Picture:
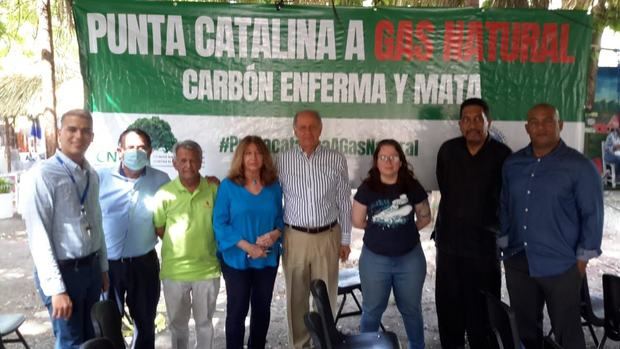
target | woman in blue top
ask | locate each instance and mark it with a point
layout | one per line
(391, 206)
(248, 224)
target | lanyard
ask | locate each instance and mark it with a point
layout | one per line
(82, 198)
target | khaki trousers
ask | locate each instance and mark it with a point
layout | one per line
(307, 257)
(198, 298)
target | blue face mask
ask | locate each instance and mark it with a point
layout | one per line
(135, 159)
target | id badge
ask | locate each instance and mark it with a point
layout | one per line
(84, 224)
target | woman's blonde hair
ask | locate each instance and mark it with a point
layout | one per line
(268, 172)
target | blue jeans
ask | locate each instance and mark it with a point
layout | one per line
(405, 274)
(245, 287)
(83, 285)
(614, 160)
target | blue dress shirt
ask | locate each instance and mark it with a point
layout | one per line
(551, 208)
(239, 214)
(127, 206)
(52, 214)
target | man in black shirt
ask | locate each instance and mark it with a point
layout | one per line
(469, 172)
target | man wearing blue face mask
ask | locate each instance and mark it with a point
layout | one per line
(126, 197)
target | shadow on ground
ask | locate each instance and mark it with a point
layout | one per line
(17, 292)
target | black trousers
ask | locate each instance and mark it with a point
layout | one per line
(135, 281)
(461, 307)
(245, 287)
(529, 294)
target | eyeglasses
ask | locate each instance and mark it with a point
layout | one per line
(391, 158)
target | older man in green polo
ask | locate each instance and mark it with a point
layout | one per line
(190, 271)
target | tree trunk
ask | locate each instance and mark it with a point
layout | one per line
(45, 42)
(7, 145)
(598, 15)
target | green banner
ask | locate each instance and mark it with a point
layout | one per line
(195, 58)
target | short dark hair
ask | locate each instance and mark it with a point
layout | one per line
(475, 101)
(81, 113)
(145, 136)
(556, 112)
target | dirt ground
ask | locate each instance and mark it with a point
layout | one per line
(17, 292)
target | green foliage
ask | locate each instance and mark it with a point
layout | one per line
(160, 323)
(612, 17)
(6, 185)
(17, 22)
(127, 324)
(159, 130)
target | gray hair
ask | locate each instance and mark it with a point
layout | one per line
(189, 145)
(307, 111)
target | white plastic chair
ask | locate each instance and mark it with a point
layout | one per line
(10, 323)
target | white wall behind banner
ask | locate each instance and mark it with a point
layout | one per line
(356, 138)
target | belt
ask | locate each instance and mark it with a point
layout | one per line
(78, 262)
(314, 230)
(149, 255)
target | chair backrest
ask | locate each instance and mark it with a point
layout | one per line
(315, 327)
(107, 323)
(587, 313)
(323, 307)
(97, 343)
(503, 322)
(611, 304)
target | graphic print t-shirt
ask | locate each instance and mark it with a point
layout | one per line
(391, 229)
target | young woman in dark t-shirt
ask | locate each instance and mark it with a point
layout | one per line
(391, 206)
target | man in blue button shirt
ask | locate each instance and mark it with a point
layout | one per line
(126, 195)
(63, 220)
(551, 225)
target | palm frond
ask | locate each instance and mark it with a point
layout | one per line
(20, 95)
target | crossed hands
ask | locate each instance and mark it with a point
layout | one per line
(260, 249)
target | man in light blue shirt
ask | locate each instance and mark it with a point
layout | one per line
(126, 196)
(63, 221)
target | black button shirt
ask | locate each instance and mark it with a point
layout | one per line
(470, 185)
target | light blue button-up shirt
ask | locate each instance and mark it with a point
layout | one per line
(52, 214)
(127, 206)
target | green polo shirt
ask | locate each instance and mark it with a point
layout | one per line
(188, 247)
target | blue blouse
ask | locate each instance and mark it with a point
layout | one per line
(241, 215)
